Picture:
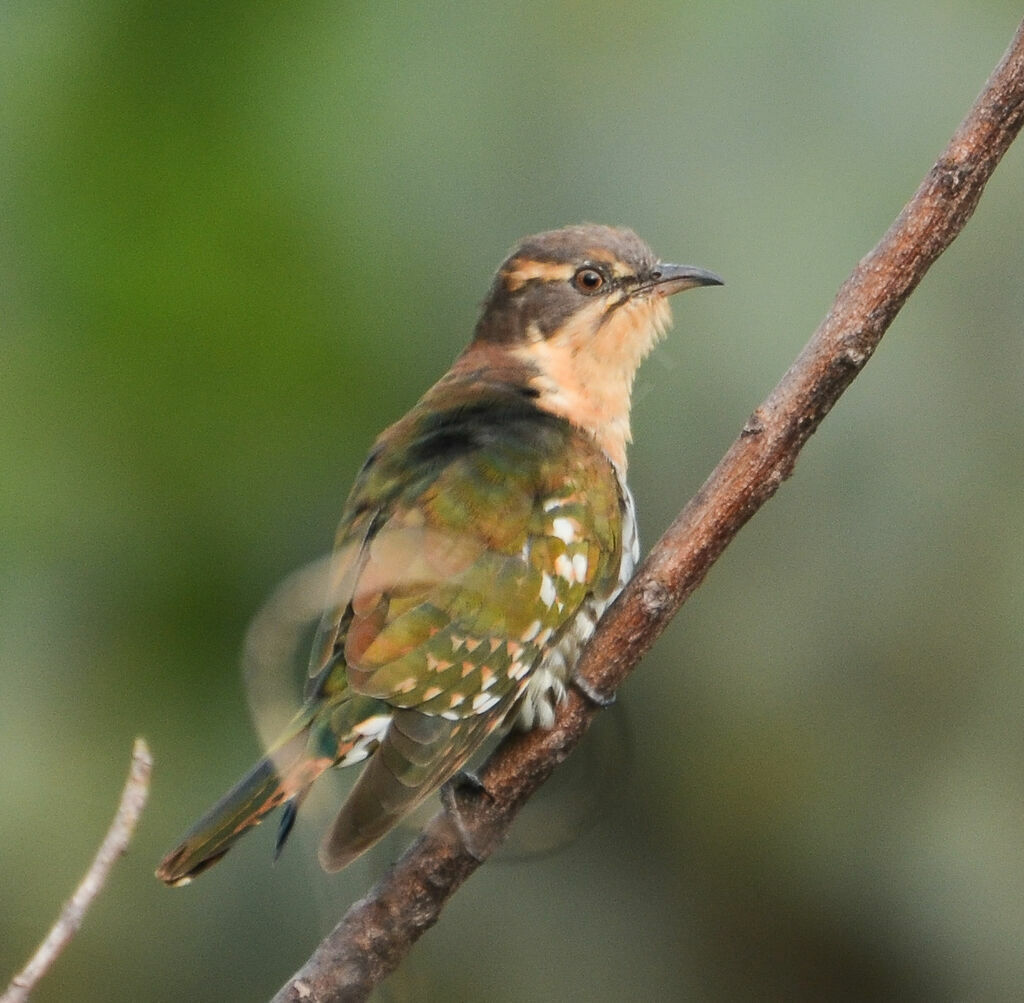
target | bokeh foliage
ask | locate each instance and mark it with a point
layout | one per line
(239, 239)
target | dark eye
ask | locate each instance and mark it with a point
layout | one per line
(588, 280)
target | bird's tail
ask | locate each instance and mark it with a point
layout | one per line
(417, 754)
(283, 774)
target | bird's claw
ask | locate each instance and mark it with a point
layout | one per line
(597, 698)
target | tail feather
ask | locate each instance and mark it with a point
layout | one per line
(317, 739)
(418, 754)
(376, 804)
(211, 837)
(278, 777)
(287, 823)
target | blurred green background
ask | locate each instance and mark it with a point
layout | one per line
(237, 240)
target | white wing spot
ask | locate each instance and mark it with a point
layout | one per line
(564, 569)
(485, 701)
(372, 727)
(579, 566)
(357, 755)
(547, 589)
(564, 529)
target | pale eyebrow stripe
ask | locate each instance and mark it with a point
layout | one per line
(522, 271)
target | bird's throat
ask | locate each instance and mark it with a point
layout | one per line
(585, 371)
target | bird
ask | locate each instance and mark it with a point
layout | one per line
(484, 537)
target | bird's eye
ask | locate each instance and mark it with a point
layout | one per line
(588, 280)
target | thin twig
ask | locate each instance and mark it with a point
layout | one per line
(378, 931)
(133, 800)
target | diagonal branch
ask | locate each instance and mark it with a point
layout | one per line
(115, 843)
(378, 931)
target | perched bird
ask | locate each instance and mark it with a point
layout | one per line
(485, 535)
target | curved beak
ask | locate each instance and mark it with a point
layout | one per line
(669, 279)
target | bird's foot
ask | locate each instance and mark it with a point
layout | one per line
(595, 696)
(453, 794)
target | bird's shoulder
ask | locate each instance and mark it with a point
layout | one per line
(482, 458)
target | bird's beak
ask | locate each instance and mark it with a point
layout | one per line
(669, 279)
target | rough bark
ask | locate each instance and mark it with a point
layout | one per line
(378, 931)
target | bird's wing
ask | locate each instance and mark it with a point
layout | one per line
(464, 561)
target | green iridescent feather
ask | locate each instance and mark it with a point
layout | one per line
(446, 595)
(481, 486)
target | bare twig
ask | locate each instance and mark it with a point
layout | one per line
(378, 931)
(133, 800)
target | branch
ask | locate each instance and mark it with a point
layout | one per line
(133, 800)
(379, 930)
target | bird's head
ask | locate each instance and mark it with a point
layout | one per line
(578, 309)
